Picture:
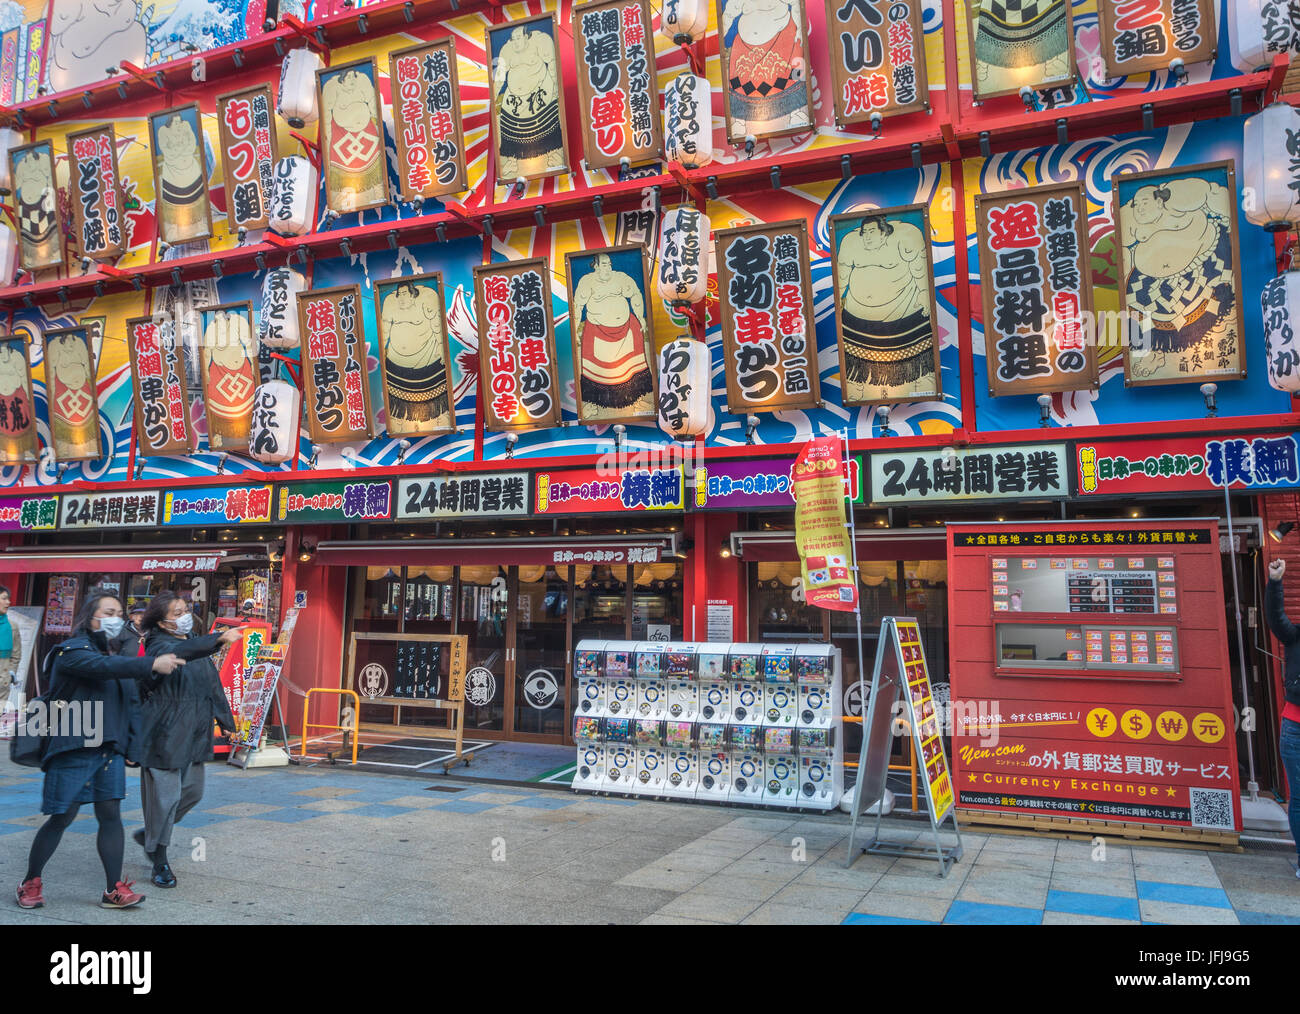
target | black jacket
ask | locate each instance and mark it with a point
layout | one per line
(178, 710)
(1286, 632)
(128, 641)
(84, 671)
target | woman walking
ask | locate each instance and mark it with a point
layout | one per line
(102, 687)
(11, 648)
(176, 733)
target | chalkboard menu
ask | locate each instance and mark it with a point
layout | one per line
(418, 670)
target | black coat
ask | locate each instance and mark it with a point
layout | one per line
(84, 671)
(1285, 631)
(179, 709)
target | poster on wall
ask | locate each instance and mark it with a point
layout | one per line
(764, 57)
(19, 443)
(36, 199)
(516, 345)
(247, 155)
(877, 58)
(1014, 44)
(528, 131)
(1037, 290)
(162, 423)
(414, 355)
(615, 52)
(884, 306)
(1138, 36)
(821, 536)
(336, 384)
(98, 207)
(61, 603)
(426, 120)
(70, 395)
(613, 334)
(767, 321)
(228, 358)
(352, 137)
(180, 171)
(1180, 274)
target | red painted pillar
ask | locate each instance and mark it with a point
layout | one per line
(712, 579)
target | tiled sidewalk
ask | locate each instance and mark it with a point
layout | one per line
(294, 845)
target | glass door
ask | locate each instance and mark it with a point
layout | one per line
(542, 649)
(483, 617)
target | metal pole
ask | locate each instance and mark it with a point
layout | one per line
(1252, 785)
(857, 610)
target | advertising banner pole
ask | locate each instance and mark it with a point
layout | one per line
(1252, 785)
(857, 582)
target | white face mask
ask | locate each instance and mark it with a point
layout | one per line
(185, 624)
(111, 626)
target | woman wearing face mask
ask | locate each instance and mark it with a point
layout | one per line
(176, 735)
(11, 647)
(89, 767)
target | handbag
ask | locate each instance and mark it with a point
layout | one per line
(27, 748)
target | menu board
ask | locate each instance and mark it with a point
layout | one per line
(259, 694)
(929, 745)
(1045, 647)
(1091, 584)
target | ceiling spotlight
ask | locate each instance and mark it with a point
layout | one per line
(1208, 392)
(1044, 410)
(1281, 531)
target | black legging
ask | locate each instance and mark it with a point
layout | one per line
(110, 841)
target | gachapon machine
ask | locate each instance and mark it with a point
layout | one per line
(815, 670)
(589, 672)
(620, 678)
(620, 756)
(746, 742)
(746, 664)
(683, 690)
(589, 735)
(780, 694)
(651, 687)
(682, 760)
(715, 762)
(821, 779)
(648, 739)
(714, 681)
(780, 766)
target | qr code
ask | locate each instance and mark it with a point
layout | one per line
(1212, 808)
(846, 594)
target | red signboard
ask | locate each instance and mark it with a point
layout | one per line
(1181, 464)
(588, 490)
(235, 661)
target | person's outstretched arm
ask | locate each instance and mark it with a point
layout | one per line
(1274, 610)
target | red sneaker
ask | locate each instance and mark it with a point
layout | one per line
(29, 894)
(121, 897)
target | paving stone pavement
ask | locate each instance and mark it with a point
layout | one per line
(315, 845)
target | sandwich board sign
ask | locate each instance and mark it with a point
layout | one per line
(900, 668)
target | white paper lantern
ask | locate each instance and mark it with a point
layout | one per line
(8, 254)
(688, 121)
(277, 410)
(1280, 302)
(684, 388)
(9, 139)
(1271, 173)
(277, 319)
(684, 20)
(293, 196)
(683, 275)
(1260, 29)
(297, 99)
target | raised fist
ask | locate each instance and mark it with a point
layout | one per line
(1276, 569)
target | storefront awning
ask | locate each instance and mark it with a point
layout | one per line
(88, 561)
(616, 551)
(882, 544)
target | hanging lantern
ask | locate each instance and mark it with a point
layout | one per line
(1270, 172)
(9, 138)
(663, 571)
(643, 577)
(684, 21)
(277, 410)
(789, 573)
(297, 100)
(1260, 29)
(277, 318)
(442, 575)
(293, 196)
(582, 573)
(688, 121)
(1281, 304)
(683, 269)
(767, 571)
(478, 575)
(684, 388)
(8, 254)
(531, 575)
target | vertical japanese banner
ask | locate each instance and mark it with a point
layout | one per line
(8, 66)
(98, 208)
(414, 355)
(247, 155)
(877, 50)
(766, 84)
(1016, 44)
(426, 120)
(71, 395)
(19, 443)
(335, 381)
(180, 168)
(1145, 35)
(235, 662)
(528, 129)
(821, 531)
(1039, 327)
(767, 321)
(162, 423)
(228, 362)
(352, 137)
(615, 53)
(516, 342)
(40, 226)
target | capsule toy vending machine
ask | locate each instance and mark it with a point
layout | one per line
(714, 681)
(683, 689)
(715, 762)
(620, 679)
(821, 768)
(746, 664)
(747, 772)
(620, 756)
(683, 760)
(780, 766)
(651, 687)
(651, 774)
(589, 735)
(780, 692)
(817, 672)
(589, 671)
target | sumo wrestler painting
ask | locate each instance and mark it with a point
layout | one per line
(71, 396)
(352, 138)
(764, 54)
(527, 121)
(884, 306)
(1180, 275)
(1020, 43)
(18, 441)
(414, 355)
(228, 356)
(613, 344)
(180, 173)
(40, 228)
